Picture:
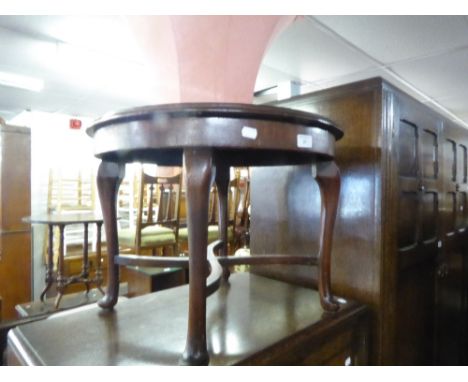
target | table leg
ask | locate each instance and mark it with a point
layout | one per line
(50, 263)
(222, 183)
(60, 267)
(109, 177)
(198, 164)
(328, 179)
(85, 268)
(98, 258)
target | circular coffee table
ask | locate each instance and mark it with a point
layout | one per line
(207, 139)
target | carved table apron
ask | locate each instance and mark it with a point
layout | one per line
(208, 138)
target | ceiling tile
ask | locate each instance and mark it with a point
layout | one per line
(464, 117)
(108, 34)
(457, 105)
(440, 77)
(391, 39)
(306, 51)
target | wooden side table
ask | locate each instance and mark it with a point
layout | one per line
(62, 281)
(208, 138)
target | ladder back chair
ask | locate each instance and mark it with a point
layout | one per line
(241, 222)
(157, 225)
(234, 200)
(71, 193)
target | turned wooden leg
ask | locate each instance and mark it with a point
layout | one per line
(109, 177)
(61, 282)
(198, 164)
(50, 263)
(328, 179)
(222, 184)
(85, 265)
(99, 258)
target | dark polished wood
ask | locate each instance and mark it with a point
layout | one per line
(208, 139)
(400, 242)
(144, 280)
(5, 327)
(241, 330)
(172, 128)
(15, 202)
(328, 179)
(61, 280)
(222, 185)
(198, 165)
(69, 301)
(109, 177)
(451, 269)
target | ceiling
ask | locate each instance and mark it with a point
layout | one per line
(90, 65)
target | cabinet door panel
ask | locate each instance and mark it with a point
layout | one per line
(15, 272)
(408, 216)
(450, 163)
(407, 149)
(430, 207)
(461, 217)
(451, 212)
(462, 163)
(415, 306)
(449, 306)
(429, 154)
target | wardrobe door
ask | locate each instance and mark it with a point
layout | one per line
(417, 146)
(407, 144)
(462, 226)
(418, 190)
(449, 329)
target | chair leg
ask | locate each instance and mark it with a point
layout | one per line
(198, 164)
(50, 263)
(109, 177)
(328, 179)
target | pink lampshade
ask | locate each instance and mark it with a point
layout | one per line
(205, 58)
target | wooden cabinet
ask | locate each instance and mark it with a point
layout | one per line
(15, 203)
(151, 330)
(401, 225)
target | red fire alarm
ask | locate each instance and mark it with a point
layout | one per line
(75, 124)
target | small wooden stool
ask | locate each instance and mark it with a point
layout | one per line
(208, 138)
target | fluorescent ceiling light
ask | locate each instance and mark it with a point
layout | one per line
(22, 82)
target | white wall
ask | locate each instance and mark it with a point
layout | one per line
(53, 145)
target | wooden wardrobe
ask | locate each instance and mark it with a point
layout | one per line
(402, 224)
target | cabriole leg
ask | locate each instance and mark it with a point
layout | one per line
(109, 177)
(328, 179)
(198, 164)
